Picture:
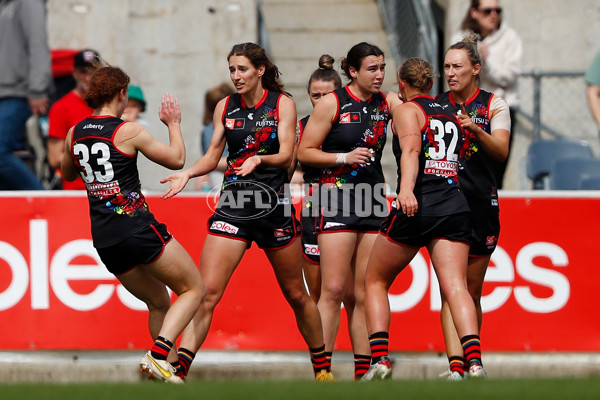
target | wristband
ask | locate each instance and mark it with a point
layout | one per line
(340, 158)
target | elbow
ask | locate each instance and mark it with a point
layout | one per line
(68, 173)
(53, 163)
(502, 157)
(303, 155)
(300, 155)
(498, 154)
(69, 177)
(412, 151)
(178, 161)
(54, 159)
(286, 160)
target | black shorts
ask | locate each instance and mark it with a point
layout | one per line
(269, 232)
(348, 223)
(143, 247)
(418, 231)
(485, 231)
(309, 239)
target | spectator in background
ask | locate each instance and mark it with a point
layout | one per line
(135, 106)
(25, 81)
(501, 51)
(211, 98)
(69, 110)
(592, 79)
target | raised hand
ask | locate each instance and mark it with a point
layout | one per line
(169, 111)
(465, 120)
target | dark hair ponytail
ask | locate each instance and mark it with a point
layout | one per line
(356, 54)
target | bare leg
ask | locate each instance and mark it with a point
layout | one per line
(312, 275)
(287, 265)
(475, 277)
(450, 263)
(358, 322)
(220, 257)
(176, 269)
(337, 251)
(477, 266)
(387, 260)
(139, 282)
(349, 302)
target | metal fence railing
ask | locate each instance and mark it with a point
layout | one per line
(410, 30)
(554, 102)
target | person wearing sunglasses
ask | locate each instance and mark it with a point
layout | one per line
(501, 51)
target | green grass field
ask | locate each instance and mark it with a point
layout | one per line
(505, 389)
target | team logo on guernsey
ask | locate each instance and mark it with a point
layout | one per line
(350, 118)
(235, 123)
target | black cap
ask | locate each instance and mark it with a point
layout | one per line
(86, 58)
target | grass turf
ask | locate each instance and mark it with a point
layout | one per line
(512, 389)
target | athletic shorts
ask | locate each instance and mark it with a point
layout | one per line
(269, 232)
(350, 223)
(143, 247)
(485, 231)
(309, 239)
(419, 231)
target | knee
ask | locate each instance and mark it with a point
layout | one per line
(475, 291)
(373, 280)
(210, 298)
(333, 292)
(159, 303)
(198, 292)
(296, 299)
